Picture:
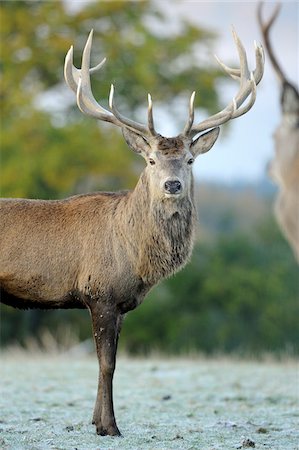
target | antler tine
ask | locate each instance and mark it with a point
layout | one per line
(245, 76)
(190, 120)
(248, 81)
(234, 73)
(85, 99)
(72, 74)
(259, 63)
(150, 119)
(137, 127)
(244, 71)
(265, 27)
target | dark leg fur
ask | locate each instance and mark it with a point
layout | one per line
(106, 323)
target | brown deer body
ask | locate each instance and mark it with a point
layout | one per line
(284, 167)
(104, 251)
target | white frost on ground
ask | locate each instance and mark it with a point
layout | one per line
(47, 403)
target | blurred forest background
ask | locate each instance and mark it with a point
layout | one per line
(239, 294)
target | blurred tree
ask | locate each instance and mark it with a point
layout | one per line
(45, 153)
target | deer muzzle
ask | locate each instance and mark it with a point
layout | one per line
(173, 187)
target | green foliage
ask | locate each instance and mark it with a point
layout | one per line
(45, 154)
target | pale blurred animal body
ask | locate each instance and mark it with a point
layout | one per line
(104, 251)
(284, 167)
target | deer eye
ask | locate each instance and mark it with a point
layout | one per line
(190, 161)
(152, 162)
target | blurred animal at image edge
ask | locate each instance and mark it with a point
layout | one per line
(284, 167)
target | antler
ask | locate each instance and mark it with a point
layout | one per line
(248, 82)
(265, 27)
(79, 81)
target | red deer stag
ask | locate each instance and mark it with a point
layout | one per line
(104, 251)
(284, 168)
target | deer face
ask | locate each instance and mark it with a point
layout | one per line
(169, 160)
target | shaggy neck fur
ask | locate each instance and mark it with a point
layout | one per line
(161, 234)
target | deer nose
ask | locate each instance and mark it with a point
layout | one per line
(172, 186)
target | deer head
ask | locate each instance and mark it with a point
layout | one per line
(169, 160)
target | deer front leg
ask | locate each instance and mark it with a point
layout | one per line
(106, 327)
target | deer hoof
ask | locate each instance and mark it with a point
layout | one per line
(109, 431)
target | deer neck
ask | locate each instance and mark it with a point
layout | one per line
(160, 232)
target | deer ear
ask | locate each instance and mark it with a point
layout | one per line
(135, 141)
(204, 142)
